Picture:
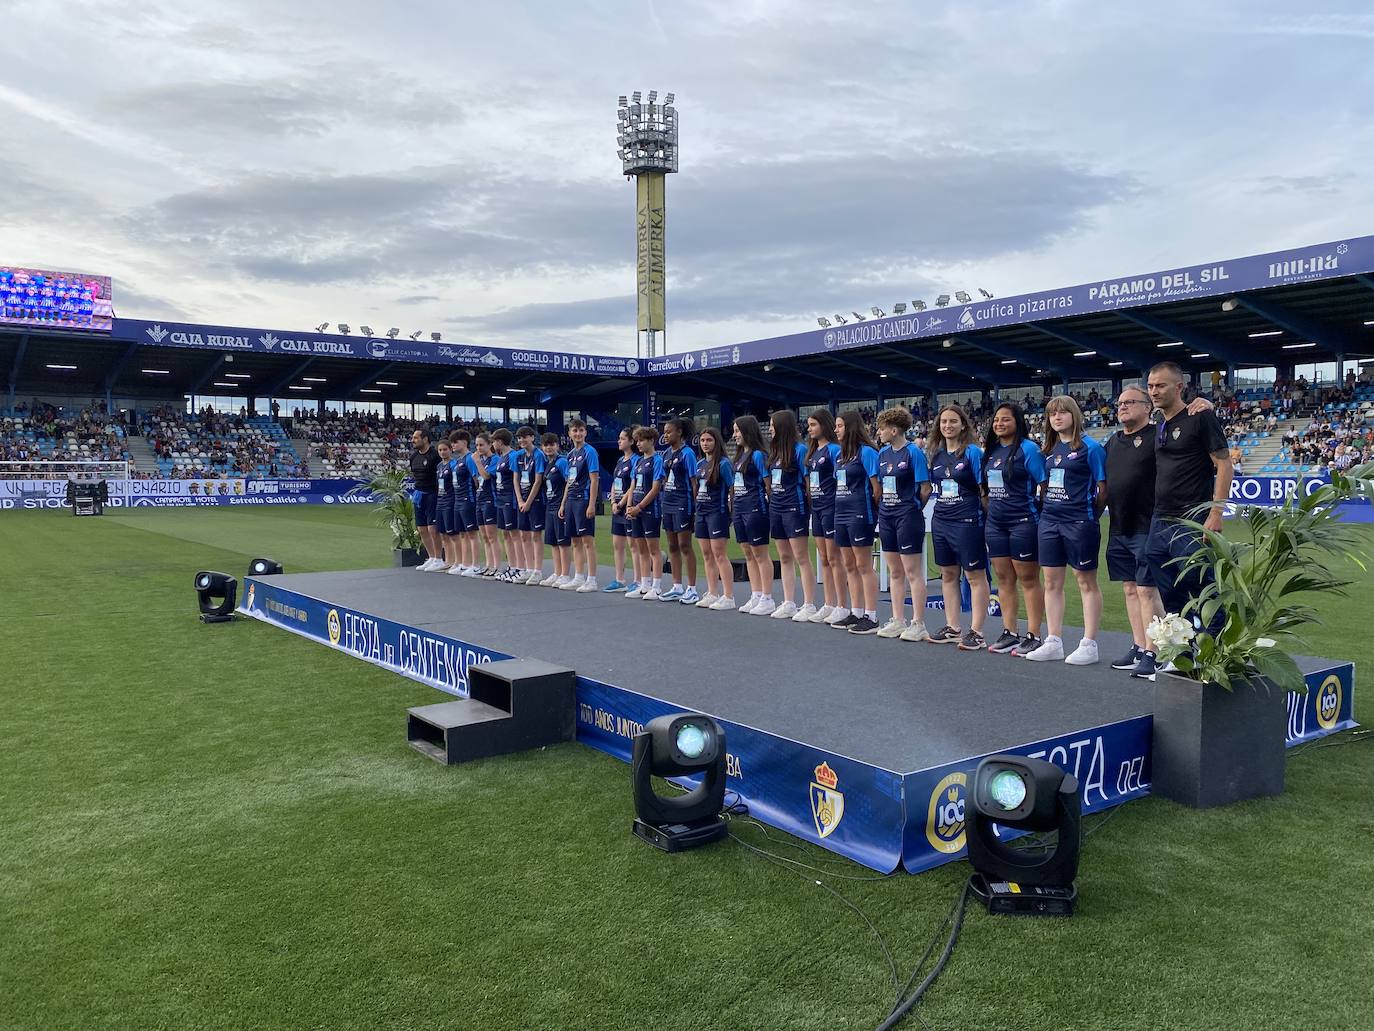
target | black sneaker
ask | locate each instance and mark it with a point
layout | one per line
(1129, 660)
(1145, 669)
(847, 622)
(1005, 643)
(864, 625)
(945, 635)
(1028, 644)
(972, 641)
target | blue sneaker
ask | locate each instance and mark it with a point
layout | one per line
(690, 596)
(673, 593)
(614, 587)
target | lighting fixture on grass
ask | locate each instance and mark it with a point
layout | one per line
(217, 594)
(679, 746)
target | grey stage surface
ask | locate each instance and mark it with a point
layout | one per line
(890, 703)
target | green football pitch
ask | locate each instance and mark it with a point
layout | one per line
(222, 827)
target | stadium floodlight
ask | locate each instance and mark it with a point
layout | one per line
(899, 307)
(216, 594)
(918, 305)
(858, 317)
(392, 333)
(436, 337)
(962, 297)
(636, 96)
(1013, 792)
(1230, 304)
(321, 327)
(986, 296)
(825, 323)
(942, 300)
(878, 313)
(343, 328)
(679, 745)
(623, 100)
(416, 334)
(365, 330)
(670, 98)
(653, 96)
(840, 319)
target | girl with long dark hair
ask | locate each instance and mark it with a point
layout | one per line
(1013, 470)
(787, 512)
(856, 497)
(956, 526)
(749, 514)
(715, 474)
(821, 455)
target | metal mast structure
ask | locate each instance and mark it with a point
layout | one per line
(647, 145)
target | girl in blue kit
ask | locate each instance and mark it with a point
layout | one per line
(443, 515)
(856, 494)
(642, 512)
(749, 514)
(556, 530)
(787, 513)
(1075, 493)
(487, 461)
(904, 482)
(715, 474)
(956, 526)
(821, 454)
(620, 497)
(465, 477)
(1013, 470)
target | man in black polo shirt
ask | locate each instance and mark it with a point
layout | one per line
(424, 466)
(1192, 468)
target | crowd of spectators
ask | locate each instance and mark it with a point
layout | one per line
(42, 432)
(217, 444)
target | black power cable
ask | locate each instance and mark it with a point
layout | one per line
(905, 1006)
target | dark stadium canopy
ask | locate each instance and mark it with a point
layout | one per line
(1311, 304)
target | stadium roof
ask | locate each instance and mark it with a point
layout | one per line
(1308, 304)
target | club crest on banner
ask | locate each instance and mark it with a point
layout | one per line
(827, 804)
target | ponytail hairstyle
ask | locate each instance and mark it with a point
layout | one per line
(827, 421)
(782, 449)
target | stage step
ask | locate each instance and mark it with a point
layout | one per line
(512, 706)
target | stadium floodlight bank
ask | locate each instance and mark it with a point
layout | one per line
(72, 471)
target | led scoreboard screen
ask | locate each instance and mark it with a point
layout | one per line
(55, 300)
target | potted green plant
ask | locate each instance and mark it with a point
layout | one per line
(396, 512)
(1220, 718)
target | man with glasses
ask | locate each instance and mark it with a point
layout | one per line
(1192, 467)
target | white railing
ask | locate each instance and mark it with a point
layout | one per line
(76, 471)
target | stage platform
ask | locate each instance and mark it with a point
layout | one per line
(861, 744)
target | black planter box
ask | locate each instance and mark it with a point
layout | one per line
(403, 557)
(1213, 747)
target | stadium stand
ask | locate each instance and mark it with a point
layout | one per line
(44, 433)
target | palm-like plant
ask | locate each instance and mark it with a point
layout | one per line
(1269, 560)
(394, 508)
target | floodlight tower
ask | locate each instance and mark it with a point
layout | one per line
(647, 143)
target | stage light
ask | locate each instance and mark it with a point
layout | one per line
(858, 317)
(942, 300)
(962, 296)
(679, 746)
(825, 323)
(264, 567)
(416, 334)
(343, 328)
(321, 327)
(986, 296)
(878, 313)
(1018, 793)
(1230, 304)
(436, 337)
(365, 330)
(841, 320)
(392, 333)
(217, 594)
(918, 305)
(899, 307)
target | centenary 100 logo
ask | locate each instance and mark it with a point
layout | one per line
(1328, 702)
(333, 624)
(945, 820)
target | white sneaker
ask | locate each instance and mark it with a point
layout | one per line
(916, 632)
(707, 601)
(748, 606)
(651, 594)
(535, 578)
(765, 607)
(823, 614)
(473, 571)
(428, 565)
(457, 570)
(590, 587)
(786, 610)
(569, 583)
(549, 581)
(439, 566)
(635, 591)
(836, 615)
(1051, 651)
(1084, 655)
(892, 628)
(725, 604)
(805, 614)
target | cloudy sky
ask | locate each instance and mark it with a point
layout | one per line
(452, 167)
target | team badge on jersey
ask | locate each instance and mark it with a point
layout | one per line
(1139, 441)
(827, 804)
(1177, 432)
